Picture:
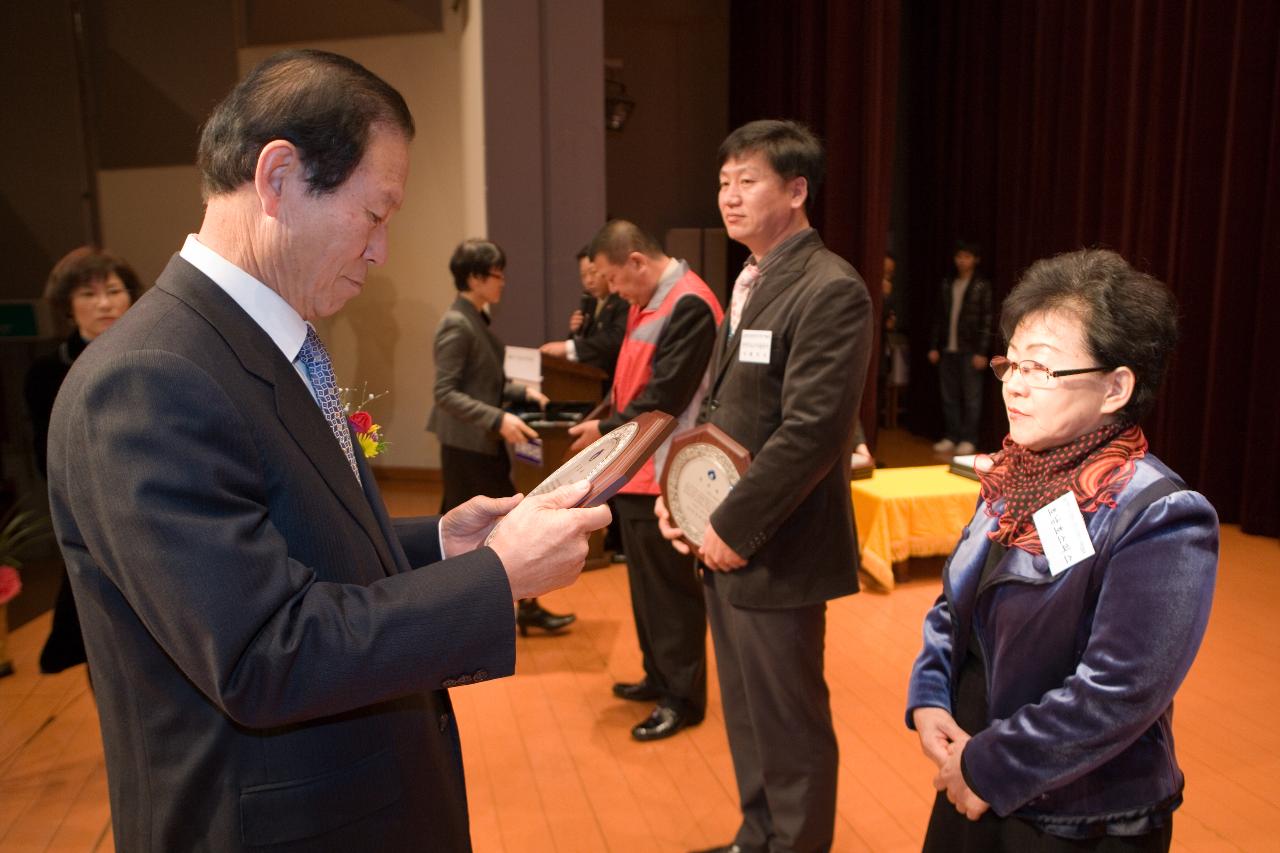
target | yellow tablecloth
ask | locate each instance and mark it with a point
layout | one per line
(909, 512)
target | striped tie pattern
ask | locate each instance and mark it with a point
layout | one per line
(315, 358)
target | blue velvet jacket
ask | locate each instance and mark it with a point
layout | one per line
(1081, 668)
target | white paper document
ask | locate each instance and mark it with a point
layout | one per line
(523, 365)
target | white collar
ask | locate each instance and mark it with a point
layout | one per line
(267, 308)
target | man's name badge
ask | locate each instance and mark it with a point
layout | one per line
(755, 345)
(1062, 533)
(702, 468)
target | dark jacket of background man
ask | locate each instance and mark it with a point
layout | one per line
(598, 341)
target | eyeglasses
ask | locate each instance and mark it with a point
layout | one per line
(87, 294)
(1035, 374)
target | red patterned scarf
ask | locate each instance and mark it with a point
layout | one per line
(1095, 467)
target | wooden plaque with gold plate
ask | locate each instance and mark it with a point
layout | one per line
(703, 466)
(611, 460)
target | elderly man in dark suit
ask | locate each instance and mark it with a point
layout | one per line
(786, 379)
(270, 650)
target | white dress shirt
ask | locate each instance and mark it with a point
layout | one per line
(264, 306)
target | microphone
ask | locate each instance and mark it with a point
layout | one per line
(588, 308)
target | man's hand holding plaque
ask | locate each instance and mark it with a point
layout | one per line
(584, 433)
(542, 541)
(703, 466)
(609, 461)
(613, 458)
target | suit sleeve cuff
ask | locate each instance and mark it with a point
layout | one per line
(968, 780)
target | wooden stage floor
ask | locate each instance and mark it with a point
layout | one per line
(551, 766)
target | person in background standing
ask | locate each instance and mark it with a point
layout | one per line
(597, 327)
(959, 345)
(470, 389)
(596, 330)
(93, 288)
(671, 329)
(786, 379)
(1044, 689)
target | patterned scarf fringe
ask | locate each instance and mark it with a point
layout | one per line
(1095, 467)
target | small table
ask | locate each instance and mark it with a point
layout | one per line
(909, 512)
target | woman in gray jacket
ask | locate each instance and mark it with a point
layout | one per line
(470, 390)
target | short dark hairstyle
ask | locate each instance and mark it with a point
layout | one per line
(1129, 318)
(619, 238)
(82, 266)
(325, 104)
(584, 252)
(475, 257)
(969, 246)
(791, 148)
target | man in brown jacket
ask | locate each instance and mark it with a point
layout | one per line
(786, 378)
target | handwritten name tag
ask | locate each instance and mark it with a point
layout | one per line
(1062, 533)
(755, 346)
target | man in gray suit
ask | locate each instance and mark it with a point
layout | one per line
(270, 650)
(786, 379)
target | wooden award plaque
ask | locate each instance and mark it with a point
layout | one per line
(609, 461)
(613, 458)
(702, 468)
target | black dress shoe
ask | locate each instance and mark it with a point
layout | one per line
(663, 723)
(531, 614)
(636, 691)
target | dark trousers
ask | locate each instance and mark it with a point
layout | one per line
(65, 646)
(666, 600)
(467, 473)
(951, 832)
(961, 387)
(777, 710)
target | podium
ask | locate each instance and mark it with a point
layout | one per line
(563, 381)
(567, 381)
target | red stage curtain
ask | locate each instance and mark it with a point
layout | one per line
(1150, 127)
(833, 66)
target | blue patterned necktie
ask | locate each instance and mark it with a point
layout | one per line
(315, 358)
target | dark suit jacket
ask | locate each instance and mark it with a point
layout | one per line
(269, 667)
(44, 378)
(973, 326)
(791, 514)
(598, 341)
(470, 383)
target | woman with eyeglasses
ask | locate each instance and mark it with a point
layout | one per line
(1077, 597)
(90, 288)
(470, 390)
